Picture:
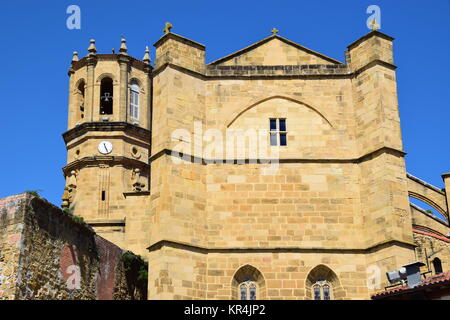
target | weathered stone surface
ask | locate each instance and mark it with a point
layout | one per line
(46, 254)
(335, 207)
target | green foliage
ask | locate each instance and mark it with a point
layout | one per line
(76, 219)
(142, 274)
(135, 263)
(67, 211)
(429, 211)
(128, 258)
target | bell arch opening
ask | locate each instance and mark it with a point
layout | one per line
(106, 96)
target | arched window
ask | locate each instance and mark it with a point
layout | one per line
(134, 101)
(80, 99)
(248, 290)
(248, 284)
(316, 291)
(322, 290)
(106, 96)
(326, 292)
(437, 265)
(323, 284)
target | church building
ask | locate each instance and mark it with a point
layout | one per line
(275, 172)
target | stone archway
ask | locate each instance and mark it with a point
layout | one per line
(248, 273)
(324, 273)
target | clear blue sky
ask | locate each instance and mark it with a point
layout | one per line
(36, 49)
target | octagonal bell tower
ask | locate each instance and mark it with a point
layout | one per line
(108, 142)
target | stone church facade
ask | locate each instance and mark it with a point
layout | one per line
(325, 216)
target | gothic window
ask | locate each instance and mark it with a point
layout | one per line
(134, 101)
(326, 292)
(321, 290)
(437, 264)
(278, 132)
(106, 96)
(316, 290)
(243, 291)
(248, 284)
(323, 284)
(247, 290)
(252, 291)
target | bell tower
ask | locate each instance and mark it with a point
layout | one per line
(108, 142)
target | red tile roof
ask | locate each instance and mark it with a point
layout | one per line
(438, 279)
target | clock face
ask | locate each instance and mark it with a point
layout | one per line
(105, 147)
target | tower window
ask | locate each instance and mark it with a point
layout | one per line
(80, 98)
(278, 132)
(134, 101)
(106, 96)
(103, 195)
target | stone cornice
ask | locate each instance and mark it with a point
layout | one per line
(95, 161)
(270, 71)
(372, 64)
(275, 72)
(106, 127)
(263, 72)
(121, 136)
(135, 63)
(205, 250)
(203, 161)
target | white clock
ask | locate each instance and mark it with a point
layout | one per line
(105, 147)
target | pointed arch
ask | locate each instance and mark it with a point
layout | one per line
(322, 273)
(236, 116)
(248, 273)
